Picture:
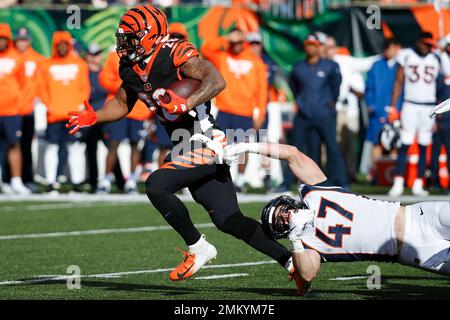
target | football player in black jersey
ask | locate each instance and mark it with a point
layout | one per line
(150, 61)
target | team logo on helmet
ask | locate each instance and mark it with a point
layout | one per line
(141, 29)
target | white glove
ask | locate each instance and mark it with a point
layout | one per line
(215, 146)
(440, 108)
(298, 223)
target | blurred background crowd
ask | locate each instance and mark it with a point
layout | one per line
(340, 109)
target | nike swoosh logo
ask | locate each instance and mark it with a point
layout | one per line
(189, 53)
(181, 275)
(421, 211)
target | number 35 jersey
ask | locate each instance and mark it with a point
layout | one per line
(349, 227)
(160, 70)
(421, 73)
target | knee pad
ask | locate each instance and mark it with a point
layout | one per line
(239, 226)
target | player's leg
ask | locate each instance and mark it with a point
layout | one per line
(223, 208)
(135, 134)
(161, 186)
(25, 146)
(76, 150)
(13, 129)
(409, 120)
(113, 134)
(424, 134)
(241, 127)
(426, 243)
(336, 169)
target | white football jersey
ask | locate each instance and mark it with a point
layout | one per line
(420, 76)
(349, 227)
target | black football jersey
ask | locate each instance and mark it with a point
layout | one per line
(160, 71)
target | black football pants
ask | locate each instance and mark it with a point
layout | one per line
(212, 187)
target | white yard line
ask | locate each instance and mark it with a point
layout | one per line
(222, 276)
(349, 278)
(93, 232)
(40, 279)
(142, 198)
(65, 205)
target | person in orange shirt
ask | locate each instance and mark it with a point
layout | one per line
(131, 128)
(12, 79)
(32, 61)
(242, 105)
(65, 85)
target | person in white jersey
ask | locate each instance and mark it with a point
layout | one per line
(417, 76)
(331, 224)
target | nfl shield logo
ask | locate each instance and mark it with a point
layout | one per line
(147, 87)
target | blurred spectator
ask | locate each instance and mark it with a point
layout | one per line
(350, 92)
(7, 3)
(12, 79)
(131, 128)
(97, 99)
(33, 62)
(242, 105)
(378, 95)
(315, 83)
(178, 30)
(65, 79)
(417, 75)
(442, 134)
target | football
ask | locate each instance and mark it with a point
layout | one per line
(184, 87)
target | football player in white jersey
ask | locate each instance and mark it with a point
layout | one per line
(330, 224)
(417, 76)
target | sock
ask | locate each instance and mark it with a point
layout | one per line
(134, 176)
(51, 162)
(400, 167)
(77, 162)
(240, 180)
(200, 246)
(16, 181)
(109, 177)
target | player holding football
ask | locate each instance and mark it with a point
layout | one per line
(330, 224)
(151, 60)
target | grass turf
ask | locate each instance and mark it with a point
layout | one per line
(25, 259)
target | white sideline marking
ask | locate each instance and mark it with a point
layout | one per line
(142, 198)
(222, 276)
(349, 278)
(65, 205)
(44, 278)
(95, 231)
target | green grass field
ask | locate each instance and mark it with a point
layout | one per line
(132, 263)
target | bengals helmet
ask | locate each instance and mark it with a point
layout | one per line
(140, 31)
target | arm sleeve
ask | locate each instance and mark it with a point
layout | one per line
(85, 84)
(335, 81)
(109, 77)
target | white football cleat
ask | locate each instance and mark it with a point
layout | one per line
(417, 188)
(195, 258)
(397, 187)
